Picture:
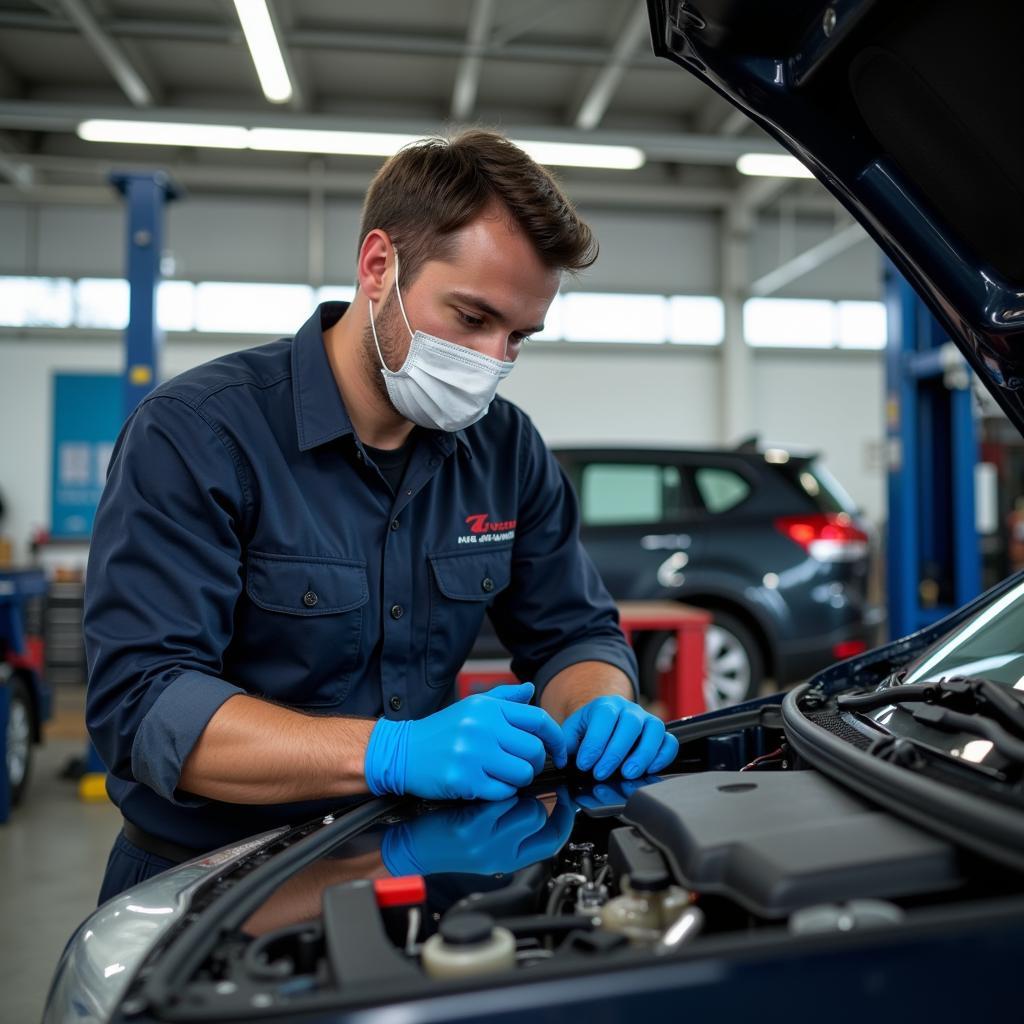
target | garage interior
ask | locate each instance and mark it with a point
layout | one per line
(728, 311)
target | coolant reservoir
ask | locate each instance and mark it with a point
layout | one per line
(643, 914)
(466, 944)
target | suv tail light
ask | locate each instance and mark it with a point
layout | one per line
(831, 537)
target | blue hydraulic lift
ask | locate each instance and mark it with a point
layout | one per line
(146, 193)
(933, 558)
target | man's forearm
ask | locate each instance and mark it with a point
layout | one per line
(252, 752)
(581, 683)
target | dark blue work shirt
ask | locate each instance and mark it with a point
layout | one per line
(246, 543)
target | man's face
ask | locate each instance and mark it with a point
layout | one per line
(490, 296)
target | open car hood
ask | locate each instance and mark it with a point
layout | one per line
(910, 113)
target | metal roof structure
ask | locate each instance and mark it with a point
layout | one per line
(555, 70)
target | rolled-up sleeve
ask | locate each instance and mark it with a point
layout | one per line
(163, 580)
(556, 611)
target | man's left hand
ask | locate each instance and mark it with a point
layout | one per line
(611, 731)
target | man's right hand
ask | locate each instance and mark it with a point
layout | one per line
(483, 747)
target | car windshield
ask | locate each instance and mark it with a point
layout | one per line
(991, 645)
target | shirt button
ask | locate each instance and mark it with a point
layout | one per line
(394, 524)
(397, 611)
(309, 599)
(396, 703)
(487, 584)
(359, 455)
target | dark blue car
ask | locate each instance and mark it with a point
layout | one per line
(763, 537)
(850, 851)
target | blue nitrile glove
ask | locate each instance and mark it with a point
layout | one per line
(484, 747)
(478, 838)
(604, 795)
(613, 731)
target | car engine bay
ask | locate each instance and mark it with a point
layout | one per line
(741, 849)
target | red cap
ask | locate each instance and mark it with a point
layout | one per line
(400, 892)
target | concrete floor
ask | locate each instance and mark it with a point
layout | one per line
(53, 850)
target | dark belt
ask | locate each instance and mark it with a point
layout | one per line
(155, 845)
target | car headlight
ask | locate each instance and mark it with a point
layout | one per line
(102, 957)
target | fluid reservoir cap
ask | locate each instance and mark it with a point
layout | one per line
(649, 880)
(632, 854)
(405, 891)
(466, 929)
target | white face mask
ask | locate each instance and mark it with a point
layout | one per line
(441, 385)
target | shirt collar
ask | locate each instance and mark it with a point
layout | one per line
(320, 413)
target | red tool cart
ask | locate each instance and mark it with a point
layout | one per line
(681, 691)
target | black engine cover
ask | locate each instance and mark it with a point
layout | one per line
(778, 841)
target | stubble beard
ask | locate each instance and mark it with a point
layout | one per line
(387, 323)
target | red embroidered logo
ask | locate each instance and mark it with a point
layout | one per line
(483, 531)
(481, 524)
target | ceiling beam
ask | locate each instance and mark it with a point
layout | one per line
(110, 52)
(595, 101)
(467, 78)
(12, 168)
(717, 117)
(523, 18)
(9, 85)
(76, 175)
(670, 147)
(756, 193)
(340, 39)
(90, 171)
(810, 259)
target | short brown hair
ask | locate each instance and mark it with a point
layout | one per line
(431, 188)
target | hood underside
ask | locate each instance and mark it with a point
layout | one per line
(910, 113)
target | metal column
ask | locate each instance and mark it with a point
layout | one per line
(933, 557)
(145, 197)
(146, 193)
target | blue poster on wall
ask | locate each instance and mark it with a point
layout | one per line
(87, 418)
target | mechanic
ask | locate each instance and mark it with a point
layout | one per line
(297, 543)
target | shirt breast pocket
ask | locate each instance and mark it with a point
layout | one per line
(462, 586)
(305, 625)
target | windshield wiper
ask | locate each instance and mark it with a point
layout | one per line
(976, 724)
(964, 696)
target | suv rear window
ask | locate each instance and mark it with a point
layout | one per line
(617, 493)
(820, 486)
(720, 489)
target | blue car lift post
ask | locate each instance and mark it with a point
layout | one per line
(146, 193)
(933, 560)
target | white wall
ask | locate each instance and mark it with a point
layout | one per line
(832, 401)
(268, 239)
(586, 395)
(579, 393)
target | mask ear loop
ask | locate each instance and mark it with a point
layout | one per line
(401, 306)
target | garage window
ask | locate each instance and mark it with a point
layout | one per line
(620, 493)
(720, 489)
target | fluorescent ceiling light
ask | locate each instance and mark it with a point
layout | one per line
(302, 140)
(772, 165)
(584, 154)
(157, 133)
(563, 154)
(265, 49)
